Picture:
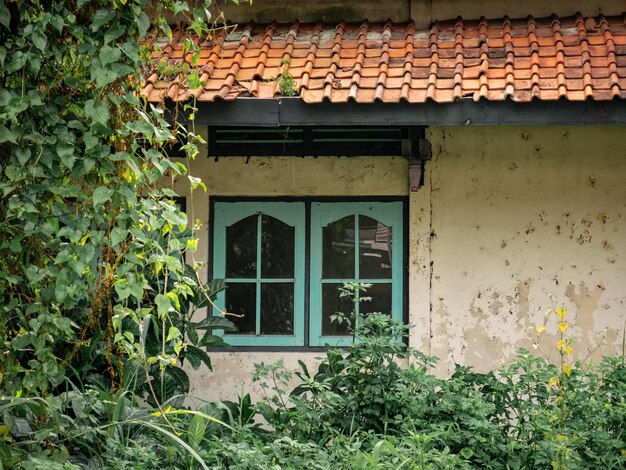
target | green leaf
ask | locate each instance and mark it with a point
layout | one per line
(109, 54)
(39, 40)
(65, 151)
(216, 323)
(143, 23)
(196, 430)
(101, 18)
(117, 236)
(176, 439)
(179, 7)
(175, 217)
(194, 80)
(5, 15)
(113, 33)
(97, 111)
(163, 304)
(18, 61)
(57, 22)
(101, 195)
(6, 135)
(197, 356)
(173, 333)
(179, 377)
(122, 289)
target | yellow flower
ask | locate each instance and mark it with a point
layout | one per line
(561, 312)
(568, 350)
(540, 329)
(560, 344)
(562, 326)
(567, 369)
(535, 345)
(553, 381)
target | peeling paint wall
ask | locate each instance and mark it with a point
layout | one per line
(522, 219)
(277, 176)
(510, 221)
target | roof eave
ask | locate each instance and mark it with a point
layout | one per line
(295, 112)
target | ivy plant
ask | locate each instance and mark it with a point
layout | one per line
(98, 281)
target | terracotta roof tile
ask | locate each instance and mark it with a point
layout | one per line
(522, 59)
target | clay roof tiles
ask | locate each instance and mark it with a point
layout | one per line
(575, 58)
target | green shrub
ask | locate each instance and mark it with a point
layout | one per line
(379, 394)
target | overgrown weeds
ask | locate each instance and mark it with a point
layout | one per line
(376, 405)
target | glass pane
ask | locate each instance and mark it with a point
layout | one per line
(331, 304)
(338, 249)
(241, 248)
(241, 300)
(277, 248)
(381, 299)
(374, 249)
(277, 308)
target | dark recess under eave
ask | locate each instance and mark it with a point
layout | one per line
(295, 112)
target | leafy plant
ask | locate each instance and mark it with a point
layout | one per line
(286, 83)
(98, 282)
(375, 405)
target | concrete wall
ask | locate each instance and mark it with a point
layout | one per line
(423, 12)
(524, 219)
(511, 221)
(278, 176)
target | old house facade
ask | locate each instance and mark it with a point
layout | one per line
(465, 158)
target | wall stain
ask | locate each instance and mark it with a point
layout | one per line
(586, 301)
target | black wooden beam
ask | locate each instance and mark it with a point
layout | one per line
(294, 112)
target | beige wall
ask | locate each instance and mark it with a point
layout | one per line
(279, 176)
(511, 221)
(523, 219)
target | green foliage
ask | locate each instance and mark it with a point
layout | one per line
(286, 82)
(97, 300)
(99, 295)
(376, 405)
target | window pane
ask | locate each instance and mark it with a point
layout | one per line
(241, 300)
(374, 249)
(338, 249)
(331, 304)
(381, 299)
(277, 308)
(241, 248)
(277, 248)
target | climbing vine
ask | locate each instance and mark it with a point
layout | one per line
(97, 284)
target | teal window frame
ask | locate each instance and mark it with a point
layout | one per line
(324, 213)
(320, 214)
(291, 213)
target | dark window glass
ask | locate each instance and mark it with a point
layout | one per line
(381, 299)
(338, 249)
(277, 248)
(241, 300)
(374, 249)
(277, 308)
(241, 242)
(331, 304)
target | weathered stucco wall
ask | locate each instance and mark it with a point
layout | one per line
(278, 176)
(423, 12)
(523, 219)
(510, 221)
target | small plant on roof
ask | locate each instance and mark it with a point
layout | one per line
(286, 82)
